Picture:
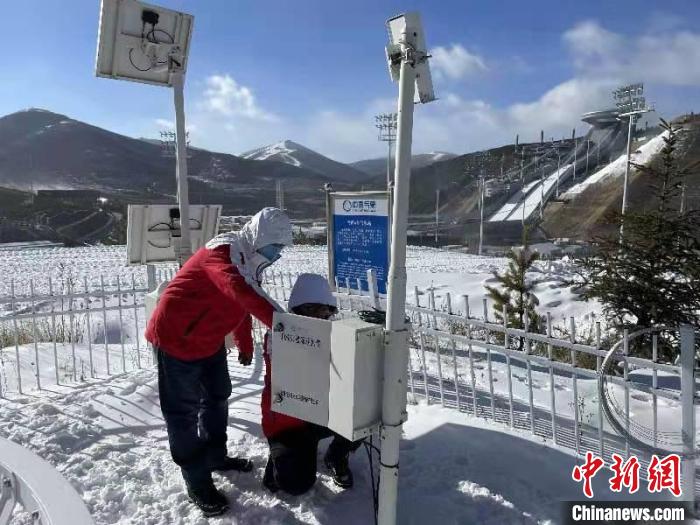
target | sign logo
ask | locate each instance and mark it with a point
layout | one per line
(347, 205)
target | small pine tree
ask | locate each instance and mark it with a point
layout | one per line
(515, 292)
(651, 275)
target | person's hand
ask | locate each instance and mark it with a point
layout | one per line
(244, 359)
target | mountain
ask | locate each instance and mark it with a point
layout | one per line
(378, 165)
(300, 156)
(47, 150)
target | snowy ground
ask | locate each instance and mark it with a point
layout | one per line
(106, 434)
(108, 440)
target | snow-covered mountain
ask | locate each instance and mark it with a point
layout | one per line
(378, 165)
(295, 154)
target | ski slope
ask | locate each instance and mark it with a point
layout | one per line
(617, 168)
(528, 200)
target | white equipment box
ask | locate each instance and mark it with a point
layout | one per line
(328, 372)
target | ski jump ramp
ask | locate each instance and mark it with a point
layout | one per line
(605, 136)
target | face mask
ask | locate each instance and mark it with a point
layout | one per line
(271, 252)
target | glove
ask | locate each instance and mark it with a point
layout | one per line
(244, 359)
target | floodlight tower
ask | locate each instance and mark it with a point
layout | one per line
(408, 65)
(630, 103)
(386, 124)
(144, 43)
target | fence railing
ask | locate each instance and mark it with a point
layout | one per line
(541, 379)
(534, 381)
(32, 487)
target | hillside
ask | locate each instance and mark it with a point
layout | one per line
(294, 154)
(378, 166)
(46, 150)
(587, 215)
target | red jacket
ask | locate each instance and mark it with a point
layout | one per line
(207, 299)
(273, 422)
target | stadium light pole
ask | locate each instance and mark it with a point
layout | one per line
(437, 215)
(408, 64)
(386, 124)
(482, 186)
(631, 104)
(573, 136)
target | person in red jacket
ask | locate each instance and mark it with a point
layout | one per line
(291, 465)
(214, 293)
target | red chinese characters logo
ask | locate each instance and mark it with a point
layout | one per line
(662, 474)
(586, 472)
(665, 474)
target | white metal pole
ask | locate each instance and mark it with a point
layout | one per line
(437, 215)
(185, 249)
(481, 209)
(396, 342)
(627, 174)
(687, 363)
(388, 167)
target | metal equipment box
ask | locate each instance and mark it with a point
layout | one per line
(328, 372)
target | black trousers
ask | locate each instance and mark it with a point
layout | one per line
(293, 456)
(194, 401)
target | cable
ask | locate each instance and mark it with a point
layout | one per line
(369, 447)
(154, 40)
(372, 316)
(134, 65)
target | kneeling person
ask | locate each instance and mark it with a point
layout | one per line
(291, 465)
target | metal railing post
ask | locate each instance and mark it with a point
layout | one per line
(687, 363)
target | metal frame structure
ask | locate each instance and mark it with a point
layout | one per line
(386, 125)
(29, 482)
(631, 104)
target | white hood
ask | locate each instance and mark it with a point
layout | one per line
(311, 288)
(268, 226)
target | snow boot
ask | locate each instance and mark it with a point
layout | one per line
(339, 470)
(269, 478)
(238, 464)
(209, 500)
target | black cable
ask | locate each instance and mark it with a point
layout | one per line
(154, 40)
(134, 65)
(372, 316)
(153, 228)
(375, 488)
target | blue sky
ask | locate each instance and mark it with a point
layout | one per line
(313, 71)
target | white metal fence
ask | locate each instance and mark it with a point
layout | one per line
(540, 380)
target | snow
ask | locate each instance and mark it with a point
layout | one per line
(107, 438)
(617, 168)
(280, 150)
(513, 211)
(106, 434)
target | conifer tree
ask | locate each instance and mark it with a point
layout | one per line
(650, 275)
(515, 292)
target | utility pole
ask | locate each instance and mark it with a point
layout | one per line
(542, 164)
(482, 184)
(386, 124)
(437, 215)
(280, 194)
(558, 168)
(631, 104)
(588, 147)
(573, 137)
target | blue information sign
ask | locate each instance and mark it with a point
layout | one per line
(360, 239)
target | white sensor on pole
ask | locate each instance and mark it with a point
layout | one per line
(144, 43)
(408, 64)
